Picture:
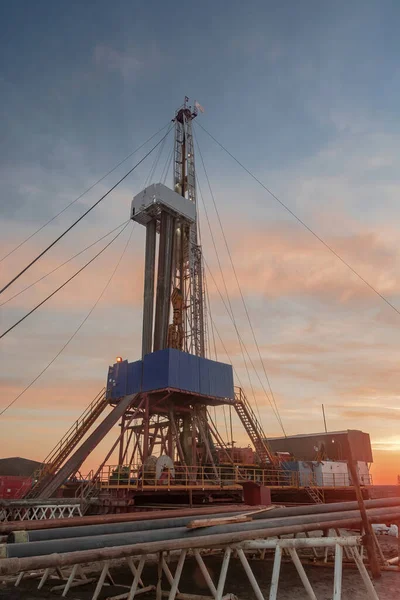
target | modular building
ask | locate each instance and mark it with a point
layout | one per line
(332, 446)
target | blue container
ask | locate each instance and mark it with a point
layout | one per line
(124, 379)
(116, 381)
(171, 368)
(220, 376)
(134, 377)
(174, 369)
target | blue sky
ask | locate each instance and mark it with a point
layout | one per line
(306, 95)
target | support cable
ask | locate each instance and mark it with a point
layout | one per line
(167, 166)
(64, 263)
(239, 286)
(75, 332)
(85, 192)
(248, 355)
(234, 370)
(319, 238)
(212, 338)
(230, 309)
(64, 284)
(153, 168)
(84, 214)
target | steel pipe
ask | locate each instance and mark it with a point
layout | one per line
(166, 523)
(12, 566)
(157, 535)
(9, 526)
(106, 529)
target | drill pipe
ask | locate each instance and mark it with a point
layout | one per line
(12, 566)
(21, 550)
(167, 523)
(10, 526)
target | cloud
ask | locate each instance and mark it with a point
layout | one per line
(126, 63)
(282, 261)
(129, 63)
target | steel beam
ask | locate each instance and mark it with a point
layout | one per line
(163, 299)
(148, 300)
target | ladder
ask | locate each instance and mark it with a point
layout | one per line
(253, 429)
(316, 495)
(67, 443)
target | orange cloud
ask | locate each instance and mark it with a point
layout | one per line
(285, 261)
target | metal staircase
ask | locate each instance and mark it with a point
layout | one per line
(253, 428)
(315, 493)
(76, 458)
(67, 443)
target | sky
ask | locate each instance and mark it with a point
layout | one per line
(306, 96)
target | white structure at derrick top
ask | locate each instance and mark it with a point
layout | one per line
(148, 203)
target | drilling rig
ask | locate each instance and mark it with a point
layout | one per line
(168, 443)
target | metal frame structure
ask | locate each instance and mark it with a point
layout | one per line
(39, 511)
(188, 272)
(291, 549)
(170, 424)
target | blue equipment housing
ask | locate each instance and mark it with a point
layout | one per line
(171, 369)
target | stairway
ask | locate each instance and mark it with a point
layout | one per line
(253, 429)
(316, 495)
(67, 443)
(77, 458)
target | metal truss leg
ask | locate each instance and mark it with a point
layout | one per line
(167, 571)
(70, 580)
(44, 578)
(19, 578)
(137, 578)
(364, 574)
(275, 573)
(337, 584)
(303, 576)
(245, 563)
(205, 573)
(133, 568)
(222, 576)
(178, 573)
(101, 580)
(159, 576)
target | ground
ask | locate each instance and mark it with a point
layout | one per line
(290, 587)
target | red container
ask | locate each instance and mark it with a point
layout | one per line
(14, 487)
(255, 494)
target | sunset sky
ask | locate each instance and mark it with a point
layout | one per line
(306, 95)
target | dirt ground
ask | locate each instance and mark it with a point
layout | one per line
(290, 587)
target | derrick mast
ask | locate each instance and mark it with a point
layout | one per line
(188, 274)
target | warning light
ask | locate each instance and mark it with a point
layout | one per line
(119, 358)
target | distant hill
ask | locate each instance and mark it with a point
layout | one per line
(22, 467)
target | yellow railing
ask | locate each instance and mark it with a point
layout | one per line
(181, 477)
(137, 477)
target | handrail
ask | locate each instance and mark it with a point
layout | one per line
(75, 432)
(75, 426)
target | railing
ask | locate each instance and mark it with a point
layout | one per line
(70, 435)
(240, 396)
(139, 478)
